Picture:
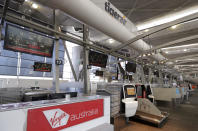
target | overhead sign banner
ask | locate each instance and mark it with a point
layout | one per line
(59, 117)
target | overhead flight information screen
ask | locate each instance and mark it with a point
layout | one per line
(97, 59)
(23, 40)
(43, 67)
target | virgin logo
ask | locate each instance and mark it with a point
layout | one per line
(56, 117)
(57, 120)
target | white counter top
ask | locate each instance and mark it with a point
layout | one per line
(46, 103)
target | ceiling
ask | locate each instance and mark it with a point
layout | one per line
(141, 11)
(138, 11)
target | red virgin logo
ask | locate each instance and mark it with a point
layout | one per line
(56, 117)
(57, 120)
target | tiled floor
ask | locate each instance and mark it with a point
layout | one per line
(182, 118)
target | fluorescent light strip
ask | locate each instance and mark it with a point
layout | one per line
(168, 18)
(180, 46)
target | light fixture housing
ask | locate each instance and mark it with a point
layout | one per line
(34, 5)
(146, 30)
(174, 27)
(111, 41)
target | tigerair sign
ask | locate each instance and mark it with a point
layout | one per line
(112, 11)
(60, 117)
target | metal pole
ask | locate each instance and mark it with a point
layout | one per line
(70, 62)
(5, 8)
(87, 88)
(56, 67)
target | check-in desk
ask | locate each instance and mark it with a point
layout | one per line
(77, 114)
(166, 94)
(172, 95)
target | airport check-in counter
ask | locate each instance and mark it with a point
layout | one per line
(184, 93)
(76, 114)
(166, 94)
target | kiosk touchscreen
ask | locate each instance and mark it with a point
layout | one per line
(129, 91)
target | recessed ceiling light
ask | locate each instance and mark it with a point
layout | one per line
(146, 30)
(34, 5)
(174, 27)
(166, 52)
(111, 41)
(144, 55)
(185, 49)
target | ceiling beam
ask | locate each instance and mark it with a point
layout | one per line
(175, 42)
(190, 72)
(155, 30)
(184, 57)
(186, 62)
(132, 9)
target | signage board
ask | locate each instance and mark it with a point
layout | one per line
(23, 40)
(97, 59)
(59, 117)
(43, 67)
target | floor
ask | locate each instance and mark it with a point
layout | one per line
(182, 118)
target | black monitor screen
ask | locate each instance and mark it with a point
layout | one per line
(97, 59)
(129, 91)
(43, 67)
(99, 73)
(146, 70)
(23, 40)
(156, 73)
(131, 67)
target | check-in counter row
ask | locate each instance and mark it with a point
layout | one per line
(167, 94)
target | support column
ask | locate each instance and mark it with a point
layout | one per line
(87, 88)
(56, 67)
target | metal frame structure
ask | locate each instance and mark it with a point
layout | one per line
(85, 43)
(155, 30)
(175, 42)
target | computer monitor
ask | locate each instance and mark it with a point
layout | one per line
(129, 91)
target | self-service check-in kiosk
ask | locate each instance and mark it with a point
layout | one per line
(129, 100)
